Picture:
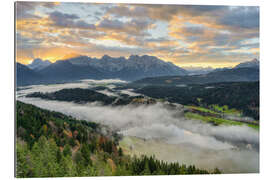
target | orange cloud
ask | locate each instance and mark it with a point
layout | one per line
(53, 54)
(194, 35)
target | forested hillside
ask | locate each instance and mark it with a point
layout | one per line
(243, 96)
(77, 95)
(50, 144)
(245, 74)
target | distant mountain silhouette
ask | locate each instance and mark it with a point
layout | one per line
(133, 68)
(249, 64)
(38, 64)
(147, 68)
(65, 71)
(26, 76)
(227, 75)
(84, 67)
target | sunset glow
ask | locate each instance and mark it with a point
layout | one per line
(216, 36)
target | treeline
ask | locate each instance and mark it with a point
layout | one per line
(243, 96)
(50, 144)
(77, 95)
(244, 74)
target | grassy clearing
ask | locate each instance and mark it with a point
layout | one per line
(210, 119)
(257, 127)
(102, 84)
(202, 109)
(217, 121)
(225, 109)
(216, 109)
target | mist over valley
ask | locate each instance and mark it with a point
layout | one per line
(158, 124)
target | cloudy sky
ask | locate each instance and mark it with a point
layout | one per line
(215, 36)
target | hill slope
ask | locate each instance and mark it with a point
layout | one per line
(50, 144)
(26, 76)
(66, 71)
(242, 96)
(228, 75)
(250, 64)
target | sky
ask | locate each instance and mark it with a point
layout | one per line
(186, 35)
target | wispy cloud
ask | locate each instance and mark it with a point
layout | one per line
(183, 34)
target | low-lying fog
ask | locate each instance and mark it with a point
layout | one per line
(163, 132)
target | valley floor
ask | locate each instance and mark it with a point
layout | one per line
(191, 135)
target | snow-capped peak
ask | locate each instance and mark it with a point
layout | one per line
(134, 63)
(38, 64)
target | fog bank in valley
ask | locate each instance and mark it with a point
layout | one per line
(230, 148)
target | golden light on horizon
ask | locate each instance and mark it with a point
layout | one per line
(182, 64)
(206, 65)
(172, 33)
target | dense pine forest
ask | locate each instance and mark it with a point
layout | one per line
(50, 144)
(243, 96)
(79, 95)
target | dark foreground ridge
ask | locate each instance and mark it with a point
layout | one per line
(51, 144)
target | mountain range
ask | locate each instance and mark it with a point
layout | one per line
(135, 67)
(83, 67)
(205, 70)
